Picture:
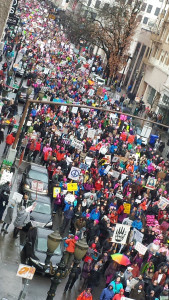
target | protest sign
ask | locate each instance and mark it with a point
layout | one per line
(17, 197)
(107, 169)
(71, 187)
(136, 236)
(115, 159)
(74, 174)
(151, 182)
(88, 160)
(127, 207)
(77, 144)
(108, 159)
(140, 248)
(74, 110)
(84, 166)
(56, 191)
(63, 108)
(163, 203)
(91, 133)
(114, 173)
(37, 185)
(70, 197)
(127, 221)
(26, 271)
(120, 234)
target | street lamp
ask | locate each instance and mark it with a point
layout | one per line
(53, 242)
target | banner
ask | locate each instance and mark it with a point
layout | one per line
(127, 207)
(72, 187)
(140, 248)
(136, 236)
(163, 203)
(151, 182)
(74, 174)
(120, 234)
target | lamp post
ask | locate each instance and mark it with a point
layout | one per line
(53, 242)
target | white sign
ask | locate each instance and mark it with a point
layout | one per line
(140, 248)
(74, 110)
(127, 221)
(151, 182)
(17, 197)
(77, 144)
(37, 185)
(70, 198)
(103, 150)
(120, 234)
(74, 174)
(91, 133)
(114, 173)
(25, 271)
(163, 203)
(63, 108)
(88, 160)
(136, 236)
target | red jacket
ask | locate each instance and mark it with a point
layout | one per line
(71, 245)
(10, 139)
(38, 146)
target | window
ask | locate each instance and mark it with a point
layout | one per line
(89, 2)
(143, 8)
(145, 20)
(157, 11)
(165, 99)
(97, 4)
(149, 8)
(151, 95)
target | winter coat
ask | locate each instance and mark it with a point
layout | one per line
(116, 286)
(9, 215)
(84, 296)
(155, 277)
(107, 294)
(10, 139)
(86, 270)
(22, 218)
(137, 225)
(71, 245)
(136, 295)
(95, 215)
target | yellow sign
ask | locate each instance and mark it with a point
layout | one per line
(25, 271)
(56, 190)
(127, 207)
(72, 187)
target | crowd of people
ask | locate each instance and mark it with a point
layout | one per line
(120, 181)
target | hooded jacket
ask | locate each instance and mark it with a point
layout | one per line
(118, 296)
(107, 294)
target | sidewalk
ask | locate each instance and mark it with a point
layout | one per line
(10, 284)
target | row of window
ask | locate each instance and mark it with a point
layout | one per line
(149, 9)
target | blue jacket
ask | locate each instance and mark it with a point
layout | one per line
(137, 225)
(107, 294)
(94, 215)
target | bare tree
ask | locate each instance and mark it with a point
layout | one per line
(112, 31)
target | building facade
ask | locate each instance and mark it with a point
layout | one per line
(155, 83)
(5, 6)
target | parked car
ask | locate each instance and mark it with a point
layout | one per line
(39, 252)
(35, 179)
(41, 212)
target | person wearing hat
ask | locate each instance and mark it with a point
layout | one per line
(85, 295)
(119, 296)
(138, 293)
(107, 293)
(128, 273)
(70, 249)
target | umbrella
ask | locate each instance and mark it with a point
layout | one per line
(121, 259)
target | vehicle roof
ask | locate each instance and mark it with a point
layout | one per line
(43, 232)
(37, 168)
